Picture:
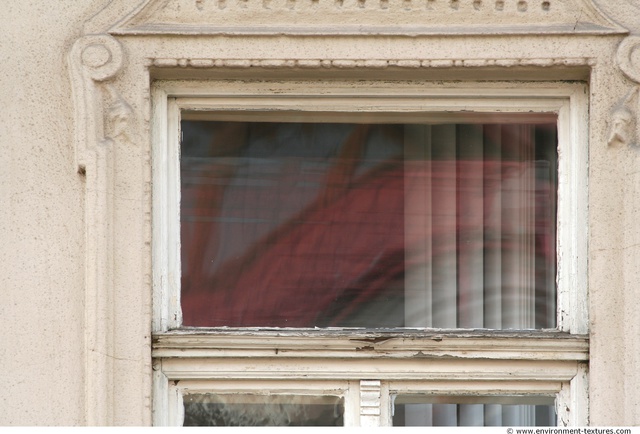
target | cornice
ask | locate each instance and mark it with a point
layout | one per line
(365, 17)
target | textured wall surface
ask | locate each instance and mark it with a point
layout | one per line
(42, 207)
(41, 217)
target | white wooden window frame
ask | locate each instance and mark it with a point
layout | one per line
(367, 366)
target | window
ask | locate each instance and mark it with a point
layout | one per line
(325, 239)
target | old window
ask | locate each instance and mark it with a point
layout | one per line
(325, 239)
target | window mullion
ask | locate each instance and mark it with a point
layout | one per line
(370, 403)
(352, 404)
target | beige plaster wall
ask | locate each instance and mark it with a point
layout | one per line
(42, 229)
(41, 217)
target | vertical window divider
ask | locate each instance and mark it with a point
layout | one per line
(572, 309)
(162, 225)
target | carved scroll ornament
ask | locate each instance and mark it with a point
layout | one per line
(101, 115)
(624, 126)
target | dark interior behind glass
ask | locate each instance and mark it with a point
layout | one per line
(368, 225)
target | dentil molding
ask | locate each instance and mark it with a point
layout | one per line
(202, 63)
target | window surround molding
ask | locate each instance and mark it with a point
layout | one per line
(484, 362)
(439, 102)
(125, 50)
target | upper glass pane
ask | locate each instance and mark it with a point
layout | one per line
(368, 225)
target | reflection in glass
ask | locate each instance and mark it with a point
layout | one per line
(262, 410)
(368, 225)
(423, 410)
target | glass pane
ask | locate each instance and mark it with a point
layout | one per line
(368, 225)
(421, 410)
(262, 410)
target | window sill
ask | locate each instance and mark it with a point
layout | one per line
(360, 343)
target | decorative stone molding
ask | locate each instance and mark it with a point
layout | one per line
(94, 59)
(628, 57)
(369, 64)
(101, 118)
(624, 126)
(117, 117)
(371, 17)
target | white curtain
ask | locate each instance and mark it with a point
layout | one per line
(488, 200)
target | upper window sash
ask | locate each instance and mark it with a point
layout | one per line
(299, 101)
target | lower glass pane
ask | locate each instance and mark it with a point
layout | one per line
(262, 410)
(421, 410)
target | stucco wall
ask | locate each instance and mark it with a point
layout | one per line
(42, 231)
(41, 217)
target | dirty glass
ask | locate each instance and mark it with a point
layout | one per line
(262, 410)
(421, 410)
(368, 225)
